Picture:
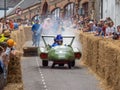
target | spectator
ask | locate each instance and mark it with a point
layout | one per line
(99, 29)
(16, 26)
(112, 27)
(36, 29)
(9, 49)
(1, 26)
(11, 25)
(104, 28)
(108, 30)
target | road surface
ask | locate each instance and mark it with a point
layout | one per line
(36, 77)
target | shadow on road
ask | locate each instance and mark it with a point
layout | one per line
(61, 68)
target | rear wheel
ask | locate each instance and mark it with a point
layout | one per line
(69, 65)
(45, 63)
(73, 63)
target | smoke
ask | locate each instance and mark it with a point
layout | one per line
(54, 26)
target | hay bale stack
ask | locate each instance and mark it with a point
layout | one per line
(19, 44)
(89, 50)
(103, 57)
(110, 64)
(84, 47)
(116, 42)
(90, 46)
(81, 37)
(14, 86)
(15, 38)
(22, 36)
(112, 74)
(14, 69)
(28, 33)
(95, 52)
(101, 60)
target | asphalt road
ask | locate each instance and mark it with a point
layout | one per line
(36, 77)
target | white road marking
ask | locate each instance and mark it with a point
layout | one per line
(42, 76)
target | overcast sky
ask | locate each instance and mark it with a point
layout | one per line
(2, 12)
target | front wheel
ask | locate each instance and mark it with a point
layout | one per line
(45, 63)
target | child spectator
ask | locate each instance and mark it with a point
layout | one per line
(99, 29)
(9, 49)
(108, 30)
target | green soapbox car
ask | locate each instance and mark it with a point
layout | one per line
(61, 54)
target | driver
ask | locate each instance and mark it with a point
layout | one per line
(58, 40)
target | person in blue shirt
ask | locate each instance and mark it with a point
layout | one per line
(36, 29)
(16, 26)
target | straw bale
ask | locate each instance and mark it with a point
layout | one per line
(14, 86)
(14, 36)
(116, 42)
(84, 49)
(90, 51)
(81, 37)
(103, 57)
(18, 40)
(95, 52)
(22, 35)
(28, 33)
(110, 60)
(14, 70)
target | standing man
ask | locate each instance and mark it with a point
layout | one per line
(36, 29)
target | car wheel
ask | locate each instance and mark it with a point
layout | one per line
(73, 63)
(69, 65)
(61, 64)
(45, 63)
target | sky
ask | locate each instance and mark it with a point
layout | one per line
(2, 12)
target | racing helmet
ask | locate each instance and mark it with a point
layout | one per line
(11, 42)
(59, 37)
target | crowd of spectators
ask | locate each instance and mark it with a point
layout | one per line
(6, 44)
(9, 24)
(103, 27)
